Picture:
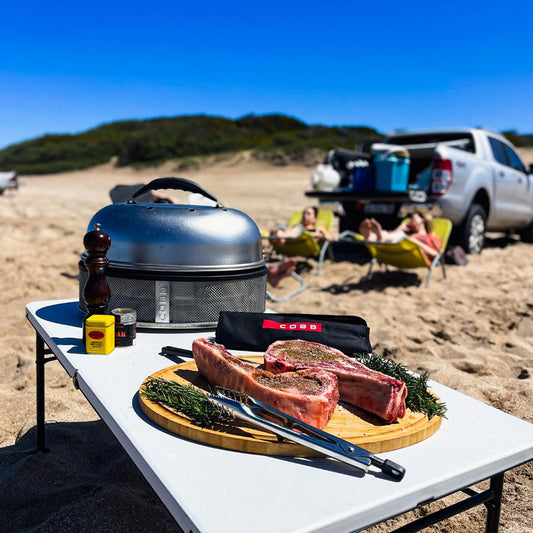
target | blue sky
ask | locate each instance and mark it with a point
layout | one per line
(68, 66)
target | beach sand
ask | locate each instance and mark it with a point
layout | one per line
(472, 331)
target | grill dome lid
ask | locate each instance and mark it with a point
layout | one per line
(177, 237)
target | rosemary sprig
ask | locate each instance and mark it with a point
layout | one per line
(186, 400)
(419, 398)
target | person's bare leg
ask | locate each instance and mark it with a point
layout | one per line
(367, 231)
(280, 270)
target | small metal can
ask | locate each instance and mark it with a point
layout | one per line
(100, 334)
(125, 326)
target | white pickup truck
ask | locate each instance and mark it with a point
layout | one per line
(474, 176)
(8, 180)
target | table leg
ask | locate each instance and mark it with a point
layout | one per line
(40, 361)
(490, 498)
(495, 504)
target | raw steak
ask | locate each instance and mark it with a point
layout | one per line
(308, 395)
(370, 390)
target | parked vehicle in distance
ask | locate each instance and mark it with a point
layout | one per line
(474, 176)
(8, 180)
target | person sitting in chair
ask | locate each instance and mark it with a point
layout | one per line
(308, 223)
(418, 228)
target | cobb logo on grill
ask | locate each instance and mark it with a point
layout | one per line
(294, 326)
(96, 335)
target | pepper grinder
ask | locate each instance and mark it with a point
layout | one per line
(96, 293)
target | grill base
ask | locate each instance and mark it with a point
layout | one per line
(182, 301)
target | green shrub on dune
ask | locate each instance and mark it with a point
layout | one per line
(277, 138)
(153, 141)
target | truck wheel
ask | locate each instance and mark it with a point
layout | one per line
(473, 230)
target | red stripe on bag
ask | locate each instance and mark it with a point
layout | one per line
(295, 326)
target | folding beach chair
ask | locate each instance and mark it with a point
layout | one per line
(304, 245)
(406, 253)
(123, 193)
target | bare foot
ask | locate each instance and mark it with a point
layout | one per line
(376, 229)
(280, 270)
(364, 228)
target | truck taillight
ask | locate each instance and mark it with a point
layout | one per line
(441, 176)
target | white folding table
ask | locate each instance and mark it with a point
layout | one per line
(209, 489)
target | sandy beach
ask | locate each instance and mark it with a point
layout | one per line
(472, 332)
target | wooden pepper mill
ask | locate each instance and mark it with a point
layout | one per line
(96, 293)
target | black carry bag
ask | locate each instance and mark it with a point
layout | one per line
(343, 161)
(456, 256)
(257, 331)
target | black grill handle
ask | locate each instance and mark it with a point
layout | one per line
(181, 184)
(176, 352)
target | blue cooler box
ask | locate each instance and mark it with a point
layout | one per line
(362, 178)
(391, 173)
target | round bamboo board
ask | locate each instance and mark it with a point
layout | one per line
(348, 422)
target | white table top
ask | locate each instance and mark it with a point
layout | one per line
(209, 489)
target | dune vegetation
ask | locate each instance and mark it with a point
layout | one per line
(153, 141)
(277, 138)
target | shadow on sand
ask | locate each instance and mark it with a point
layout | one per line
(378, 281)
(496, 240)
(85, 483)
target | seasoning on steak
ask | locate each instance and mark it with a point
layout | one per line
(370, 390)
(308, 395)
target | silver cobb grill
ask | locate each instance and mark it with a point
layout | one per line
(179, 266)
(183, 302)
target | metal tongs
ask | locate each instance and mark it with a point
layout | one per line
(251, 410)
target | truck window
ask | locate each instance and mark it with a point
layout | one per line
(498, 149)
(514, 160)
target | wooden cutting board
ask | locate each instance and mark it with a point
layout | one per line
(348, 422)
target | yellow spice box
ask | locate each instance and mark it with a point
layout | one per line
(100, 334)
